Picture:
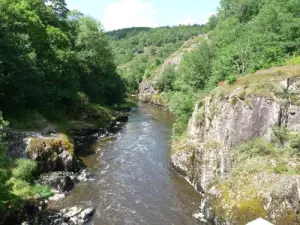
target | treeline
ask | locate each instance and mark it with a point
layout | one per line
(244, 36)
(49, 56)
(140, 50)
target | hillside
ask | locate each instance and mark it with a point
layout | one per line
(139, 51)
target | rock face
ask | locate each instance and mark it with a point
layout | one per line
(224, 120)
(17, 142)
(52, 153)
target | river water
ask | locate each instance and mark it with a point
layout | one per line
(133, 181)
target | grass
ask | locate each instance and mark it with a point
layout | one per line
(293, 60)
(26, 190)
(240, 206)
(260, 155)
(261, 83)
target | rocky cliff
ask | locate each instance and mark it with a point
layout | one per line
(147, 91)
(242, 150)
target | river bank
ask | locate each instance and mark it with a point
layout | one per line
(126, 179)
(132, 180)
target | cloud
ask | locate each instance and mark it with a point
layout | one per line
(129, 13)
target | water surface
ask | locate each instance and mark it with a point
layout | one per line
(133, 180)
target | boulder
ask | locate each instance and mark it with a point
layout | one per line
(57, 197)
(55, 153)
(84, 176)
(50, 130)
(122, 119)
(61, 181)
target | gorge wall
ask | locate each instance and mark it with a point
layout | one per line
(241, 150)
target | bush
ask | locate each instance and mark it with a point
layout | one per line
(20, 188)
(231, 79)
(42, 190)
(24, 170)
(257, 147)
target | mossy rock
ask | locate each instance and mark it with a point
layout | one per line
(52, 153)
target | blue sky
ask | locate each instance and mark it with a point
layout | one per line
(116, 14)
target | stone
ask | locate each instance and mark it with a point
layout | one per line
(122, 119)
(84, 176)
(57, 197)
(259, 222)
(61, 181)
(50, 130)
(52, 153)
(71, 212)
(86, 214)
(199, 216)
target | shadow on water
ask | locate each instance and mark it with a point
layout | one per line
(133, 180)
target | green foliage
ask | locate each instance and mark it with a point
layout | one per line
(47, 57)
(41, 190)
(166, 80)
(139, 51)
(4, 163)
(195, 69)
(181, 105)
(24, 170)
(231, 79)
(260, 155)
(293, 60)
(130, 41)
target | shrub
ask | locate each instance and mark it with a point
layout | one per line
(231, 79)
(295, 141)
(42, 190)
(257, 147)
(20, 188)
(24, 170)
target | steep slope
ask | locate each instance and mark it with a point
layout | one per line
(147, 91)
(242, 149)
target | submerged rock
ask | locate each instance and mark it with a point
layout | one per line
(84, 176)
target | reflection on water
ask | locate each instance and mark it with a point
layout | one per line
(133, 181)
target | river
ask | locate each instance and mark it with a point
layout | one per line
(133, 181)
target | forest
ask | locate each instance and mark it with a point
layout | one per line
(49, 55)
(53, 61)
(242, 37)
(139, 50)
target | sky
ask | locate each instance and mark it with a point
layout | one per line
(117, 14)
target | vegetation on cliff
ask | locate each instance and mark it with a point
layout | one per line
(139, 51)
(242, 37)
